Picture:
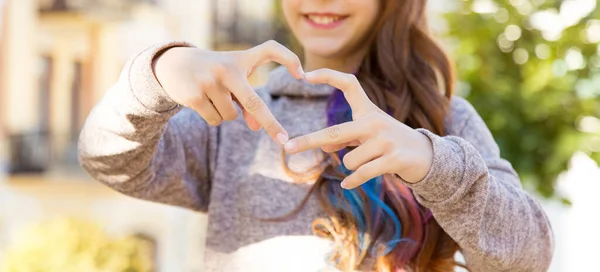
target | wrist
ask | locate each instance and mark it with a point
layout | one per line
(162, 60)
(420, 164)
(143, 81)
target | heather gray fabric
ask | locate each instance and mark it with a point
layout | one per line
(139, 142)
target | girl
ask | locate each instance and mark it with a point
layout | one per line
(411, 174)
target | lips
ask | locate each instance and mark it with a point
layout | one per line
(322, 20)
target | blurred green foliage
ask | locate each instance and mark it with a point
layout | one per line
(71, 245)
(539, 94)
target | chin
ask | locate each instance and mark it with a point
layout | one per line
(324, 48)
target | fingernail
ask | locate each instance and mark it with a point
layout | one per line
(282, 138)
(290, 146)
(344, 184)
(301, 71)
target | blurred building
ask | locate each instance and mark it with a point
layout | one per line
(57, 59)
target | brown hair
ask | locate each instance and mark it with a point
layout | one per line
(406, 73)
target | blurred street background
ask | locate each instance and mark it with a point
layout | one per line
(530, 67)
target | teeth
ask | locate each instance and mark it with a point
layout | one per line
(323, 20)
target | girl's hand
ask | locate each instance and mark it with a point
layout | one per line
(209, 82)
(384, 145)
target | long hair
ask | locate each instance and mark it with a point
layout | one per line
(379, 226)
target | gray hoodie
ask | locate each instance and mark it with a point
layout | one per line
(141, 143)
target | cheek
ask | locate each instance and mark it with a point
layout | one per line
(366, 13)
(291, 9)
(364, 16)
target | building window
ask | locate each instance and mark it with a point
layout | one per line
(76, 96)
(44, 89)
(119, 9)
(29, 151)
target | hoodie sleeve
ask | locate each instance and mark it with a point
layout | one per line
(139, 142)
(477, 198)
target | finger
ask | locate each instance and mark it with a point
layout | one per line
(363, 154)
(251, 102)
(355, 95)
(334, 135)
(271, 51)
(206, 109)
(337, 147)
(364, 173)
(222, 101)
(250, 121)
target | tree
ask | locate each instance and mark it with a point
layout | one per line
(532, 70)
(71, 245)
